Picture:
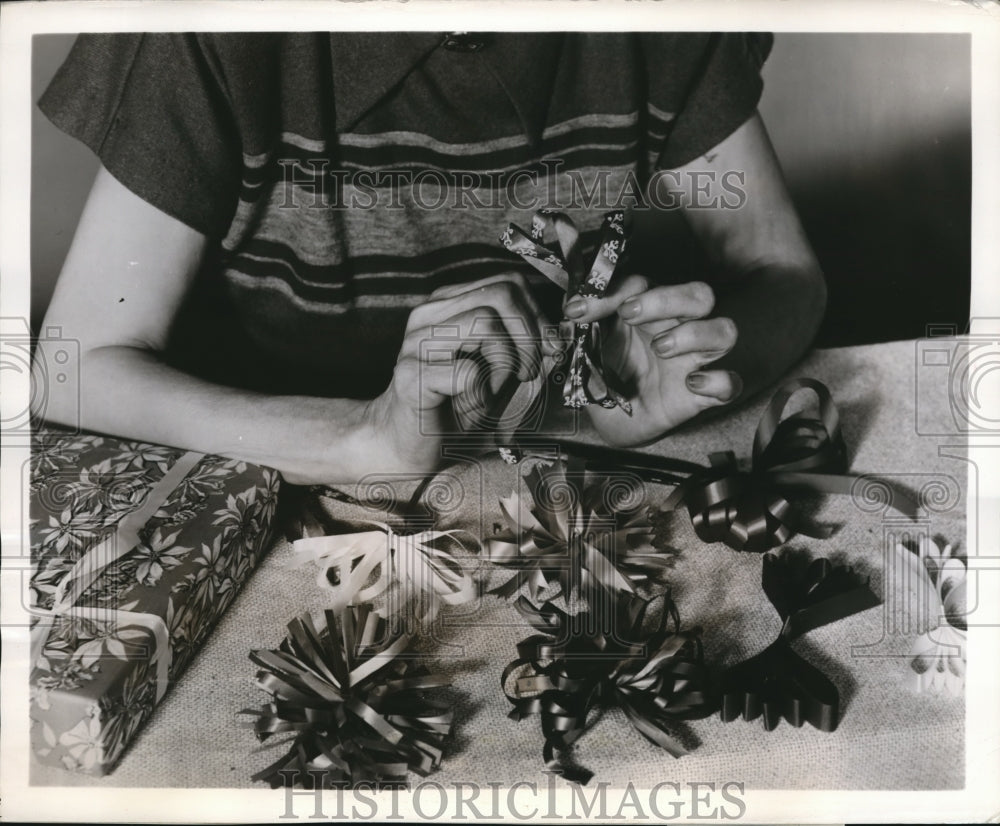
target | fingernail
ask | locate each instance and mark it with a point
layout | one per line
(665, 344)
(630, 308)
(696, 381)
(576, 307)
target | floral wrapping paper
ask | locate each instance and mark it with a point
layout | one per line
(94, 681)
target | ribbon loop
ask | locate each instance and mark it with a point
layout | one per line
(407, 569)
(603, 657)
(778, 683)
(357, 712)
(748, 509)
(588, 379)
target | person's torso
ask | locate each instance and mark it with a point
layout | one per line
(378, 168)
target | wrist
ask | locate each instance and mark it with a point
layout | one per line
(333, 442)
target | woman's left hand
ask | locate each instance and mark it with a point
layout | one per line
(659, 340)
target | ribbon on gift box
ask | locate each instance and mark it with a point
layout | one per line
(778, 683)
(750, 511)
(575, 535)
(409, 562)
(99, 558)
(601, 657)
(588, 379)
(355, 711)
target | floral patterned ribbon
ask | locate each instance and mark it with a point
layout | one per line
(104, 554)
(600, 657)
(588, 379)
(778, 683)
(749, 511)
(355, 711)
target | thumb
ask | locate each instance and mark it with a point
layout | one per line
(581, 308)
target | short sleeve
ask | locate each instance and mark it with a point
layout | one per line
(702, 87)
(154, 109)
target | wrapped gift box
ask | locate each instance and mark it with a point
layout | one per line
(137, 550)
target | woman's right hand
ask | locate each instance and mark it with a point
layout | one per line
(459, 349)
(127, 274)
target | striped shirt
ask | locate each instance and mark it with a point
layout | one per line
(341, 178)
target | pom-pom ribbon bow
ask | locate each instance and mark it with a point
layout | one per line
(356, 712)
(588, 379)
(575, 535)
(603, 657)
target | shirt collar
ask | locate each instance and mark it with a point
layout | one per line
(525, 64)
(366, 66)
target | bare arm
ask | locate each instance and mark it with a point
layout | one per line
(770, 283)
(692, 347)
(125, 277)
(126, 274)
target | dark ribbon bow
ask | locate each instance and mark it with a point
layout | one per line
(778, 683)
(354, 710)
(602, 657)
(578, 536)
(748, 510)
(588, 379)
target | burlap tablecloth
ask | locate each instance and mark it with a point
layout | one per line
(890, 737)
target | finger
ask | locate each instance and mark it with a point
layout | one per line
(425, 385)
(463, 384)
(473, 393)
(437, 381)
(708, 338)
(475, 318)
(521, 296)
(466, 336)
(581, 308)
(503, 362)
(450, 336)
(501, 298)
(514, 279)
(556, 339)
(714, 387)
(678, 302)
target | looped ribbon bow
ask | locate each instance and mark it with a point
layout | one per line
(588, 379)
(749, 511)
(579, 537)
(89, 568)
(354, 710)
(361, 567)
(602, 657)
(778, 683)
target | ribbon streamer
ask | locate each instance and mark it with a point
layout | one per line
(604, 657)
(103, 555)
(405, 568)
(588, 379)
(778, 683)
(575, 536)
(354, 711)
(750, 511)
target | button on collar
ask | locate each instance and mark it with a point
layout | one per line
(465, 41)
